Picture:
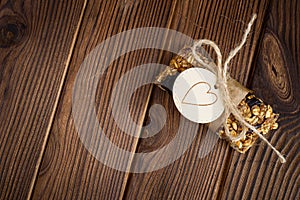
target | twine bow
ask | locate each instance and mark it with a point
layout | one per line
(222, 78)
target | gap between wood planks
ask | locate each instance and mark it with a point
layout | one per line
(48, 130)
(50, 125)
(136, 142)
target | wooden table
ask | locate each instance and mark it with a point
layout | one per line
(43, 44)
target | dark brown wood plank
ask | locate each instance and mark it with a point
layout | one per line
(191, 177)
(259, 174)
(36, 41)
(68, 170)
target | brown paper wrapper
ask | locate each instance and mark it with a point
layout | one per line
(237, 91)
(253, 109)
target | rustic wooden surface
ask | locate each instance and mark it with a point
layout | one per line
(258, 174)
(36, 41)
(191, 177)
(68, 170)
(42, 156)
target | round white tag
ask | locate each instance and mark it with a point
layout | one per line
(196, 97)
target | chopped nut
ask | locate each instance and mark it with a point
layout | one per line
(239, 144)
(233, 133)
(247, 142)
(234, 126)
(229, 121)
(269, 112)
(275, 126)
(255, 110)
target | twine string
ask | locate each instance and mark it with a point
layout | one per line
(222, 78)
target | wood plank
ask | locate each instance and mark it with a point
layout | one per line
(34, 59)
(259, 174)
(191, 177)
(68, 170)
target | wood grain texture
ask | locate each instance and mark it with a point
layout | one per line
(41, 153)
(68, 170)
(191, 177)
(36, 39)
(259, 174)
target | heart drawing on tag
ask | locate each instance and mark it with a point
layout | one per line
(203, 89)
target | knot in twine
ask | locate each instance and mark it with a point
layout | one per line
(222, 78)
